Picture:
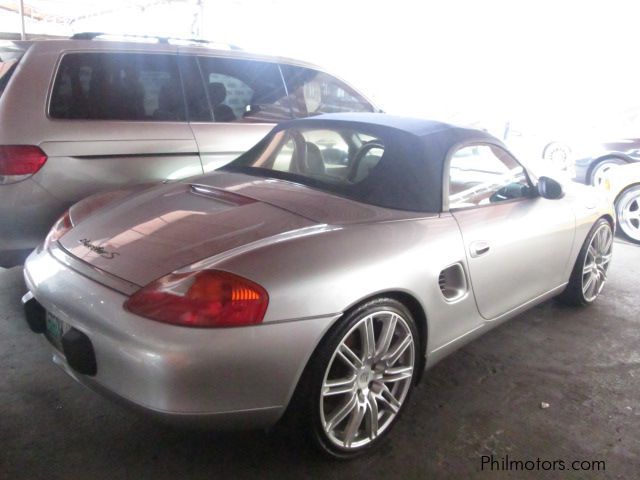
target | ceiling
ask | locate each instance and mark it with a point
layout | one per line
(69, 11)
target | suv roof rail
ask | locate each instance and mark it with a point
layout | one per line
(158, 39)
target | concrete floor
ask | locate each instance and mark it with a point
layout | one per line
(483, 400)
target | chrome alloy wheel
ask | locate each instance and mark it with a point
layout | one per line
(596, 262)
(599, 174)
(367, 379)
(628, 211)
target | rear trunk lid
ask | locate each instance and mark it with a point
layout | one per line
(160, 230)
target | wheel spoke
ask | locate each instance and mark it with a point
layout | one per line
(349, 357)
(393, 357)
(587, 284)
(339, 387)
(396, 374)
(372, 421)
(357, 414)
(593, 286)
(341, 413)
(386, 335)
(388, 399)
(368, 339)
(608, 243)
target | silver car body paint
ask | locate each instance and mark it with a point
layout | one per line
(317, 256)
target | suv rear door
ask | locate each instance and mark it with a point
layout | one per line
(119, 118)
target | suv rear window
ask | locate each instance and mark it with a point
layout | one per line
(9, 58)
(118, 86)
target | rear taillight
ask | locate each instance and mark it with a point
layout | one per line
(208, 298)
(62, 226)
(18, 162)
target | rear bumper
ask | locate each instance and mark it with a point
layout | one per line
(228, 377)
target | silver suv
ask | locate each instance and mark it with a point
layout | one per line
(88, 114)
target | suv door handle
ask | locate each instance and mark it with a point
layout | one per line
(479, 248)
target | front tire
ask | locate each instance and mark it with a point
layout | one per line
(628, 213)
(360, 378)
(590, 270)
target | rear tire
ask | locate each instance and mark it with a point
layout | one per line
(359, 379)
(590, 270)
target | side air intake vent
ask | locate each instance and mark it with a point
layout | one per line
(452, 282)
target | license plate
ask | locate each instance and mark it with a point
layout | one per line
(56, 328)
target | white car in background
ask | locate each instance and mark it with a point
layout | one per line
(623, 184)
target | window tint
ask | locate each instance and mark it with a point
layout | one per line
(312, 93)
(118, 86)
(244, 90)
(485, 174)
(197, 103)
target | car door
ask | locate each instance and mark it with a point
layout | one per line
(517, 243)
(232, 104)
(114, 119)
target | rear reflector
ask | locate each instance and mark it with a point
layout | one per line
(18, 162)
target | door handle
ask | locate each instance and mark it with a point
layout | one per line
(479, 248)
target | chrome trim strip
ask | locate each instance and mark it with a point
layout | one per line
(109, 280)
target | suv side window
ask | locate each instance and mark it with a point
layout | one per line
(118, 86)
(313, 92)
(485, 174)
(244, 90)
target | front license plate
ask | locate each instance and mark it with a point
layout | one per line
(56, 328)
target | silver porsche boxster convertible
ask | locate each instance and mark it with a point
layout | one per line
(315, 277)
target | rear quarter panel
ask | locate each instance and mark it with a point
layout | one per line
(329, 271)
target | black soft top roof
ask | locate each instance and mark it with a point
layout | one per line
(410, 173)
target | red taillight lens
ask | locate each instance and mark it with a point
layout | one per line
(62, 226)
(209, 298)
(20, 161)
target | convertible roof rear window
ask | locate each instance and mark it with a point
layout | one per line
(375, 167)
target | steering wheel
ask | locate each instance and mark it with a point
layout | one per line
(359, 155)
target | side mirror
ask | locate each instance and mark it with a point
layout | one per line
(550, 188)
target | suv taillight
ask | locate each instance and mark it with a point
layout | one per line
(18, 162)
(207, 298)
